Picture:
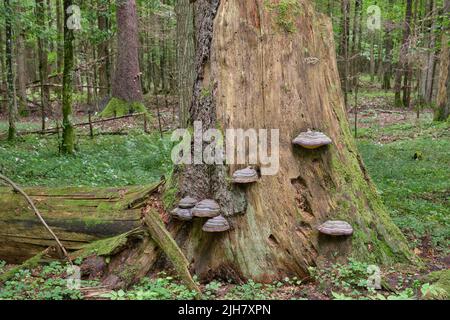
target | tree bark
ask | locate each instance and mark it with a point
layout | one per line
(403, 65)
(442, 111)
(68, 136)
(21, 71)
(388, 45)
(127, 85)
(12, 106)
(43, 60)
(103, 53)
(185, 58)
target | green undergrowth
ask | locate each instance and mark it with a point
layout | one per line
(347, 281)
(110, 160)
(48, 282)
(413, 177)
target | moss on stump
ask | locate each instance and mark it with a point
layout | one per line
(117, 108)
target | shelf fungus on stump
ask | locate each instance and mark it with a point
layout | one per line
(336, 228)
(206, 209)
(187, 203)
(247, 175)
(216, 224)
(312, 140)
(182, 214)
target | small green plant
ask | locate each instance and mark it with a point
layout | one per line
(161, 288)
(211, 289)
(250, 291)
(44, 283)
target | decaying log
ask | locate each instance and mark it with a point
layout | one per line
(78, 216)
(30, 202)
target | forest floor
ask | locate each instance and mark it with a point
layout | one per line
(408, 159)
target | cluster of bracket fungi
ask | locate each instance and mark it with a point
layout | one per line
(314, 140)
(190, 208)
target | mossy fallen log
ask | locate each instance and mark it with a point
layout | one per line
(78, 216)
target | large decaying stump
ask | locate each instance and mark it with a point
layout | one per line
(261, 66)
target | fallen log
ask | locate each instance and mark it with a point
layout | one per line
(78, 216)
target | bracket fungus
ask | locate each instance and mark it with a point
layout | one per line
(312, 140)
(216, 224)
(336, 228)
(206, 209)
(187, 203)
(247, 175)
(182, 214)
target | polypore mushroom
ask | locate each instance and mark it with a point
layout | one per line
(187, 203)
(247, 175)
(182, 214)
(216, 224)
(206, 209)
(312, 140)
(336, 228)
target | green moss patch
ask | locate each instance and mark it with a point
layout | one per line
(118, 108)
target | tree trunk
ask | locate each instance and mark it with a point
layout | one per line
(21, 72)
(43, 61)
(442, 111)
(68, 136)
(126, 90)
(103, 53)
(185, 58)
(60, 42)
(403, 65)
(388, 45)
(12, 106)
(256, 77)
(356, 42)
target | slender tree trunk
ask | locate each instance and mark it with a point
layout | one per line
(21, 73)
(103, 53)
(68, 136)
(185, 58)
(3, 74)
(356, 39)
(402, 59)
(430, 62)
(372, 56)
(388, 45)
(344, 48)
(442, 111)
(60, 42)
(12, 107)
(43, 60)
